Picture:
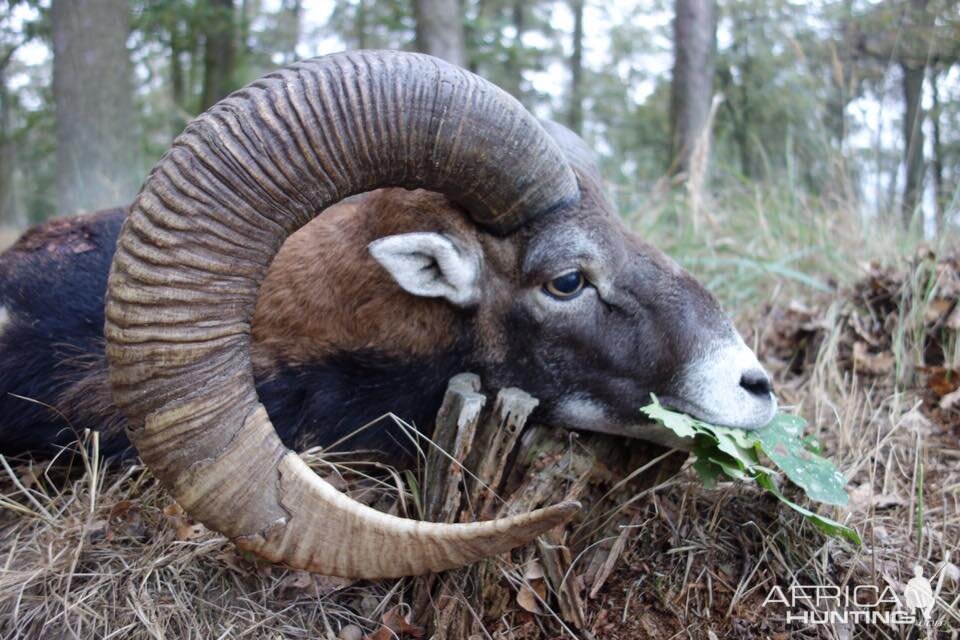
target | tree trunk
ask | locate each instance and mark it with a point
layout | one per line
(514, 62)
(219, 53)
(939, 192)
(575, 115)
(97, 144)
(440, 30)
(249, 9)
(288, 25)
(195, 65)
(691, 90)
(360, 25)
(912, 140)
(10, 213)
(178, 79)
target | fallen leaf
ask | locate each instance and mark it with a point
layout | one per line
(951, 575)
(942, 381)
(293, 584)
(350, 632)
(185, 527)
(863, 497)
(953, 322)
(533, 570)
(125, 517)
(948, 401)
(531, 594)
(937, 308)
(397, 618)
(876, 364)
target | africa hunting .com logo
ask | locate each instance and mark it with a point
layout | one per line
(858, 604)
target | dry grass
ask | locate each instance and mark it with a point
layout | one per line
(92, 548)
(101, 551)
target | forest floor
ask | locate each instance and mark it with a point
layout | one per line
(704, 562)
(92, 548)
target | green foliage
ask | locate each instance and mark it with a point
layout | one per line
(732, 453)
(791, 75)
(370, 24)
(775, 93)
(509, 39)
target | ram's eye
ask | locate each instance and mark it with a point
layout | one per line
(566, 285)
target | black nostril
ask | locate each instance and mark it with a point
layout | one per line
(756, 382)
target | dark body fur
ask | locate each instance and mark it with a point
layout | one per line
(52, 283)
(53, 371)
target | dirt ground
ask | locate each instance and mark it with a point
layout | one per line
(91, 548)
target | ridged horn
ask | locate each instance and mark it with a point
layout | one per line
(576, 151)
(197, 244)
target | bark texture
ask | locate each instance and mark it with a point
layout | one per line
(575, 115)
(10, 212)
(97, 144)
(488, 461)
(939, 191)
(913, 140)
(440, 30)
(513, 65)
(196, 247)
(219, 52)
(691, 90)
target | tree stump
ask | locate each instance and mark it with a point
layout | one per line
(487, 462)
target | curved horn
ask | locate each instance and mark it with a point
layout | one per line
(196, 246)
(573, 146)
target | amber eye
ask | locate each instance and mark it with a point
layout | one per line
(566, 285)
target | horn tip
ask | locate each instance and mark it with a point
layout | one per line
(560, 512)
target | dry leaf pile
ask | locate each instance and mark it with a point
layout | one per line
(897, 327)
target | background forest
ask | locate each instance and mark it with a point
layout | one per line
(854, 104)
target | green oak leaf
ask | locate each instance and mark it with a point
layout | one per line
(827, 525)
(734, 453)
(817, 476)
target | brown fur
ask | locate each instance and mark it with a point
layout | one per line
(324, 291)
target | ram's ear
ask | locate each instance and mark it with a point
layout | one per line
(431, 265)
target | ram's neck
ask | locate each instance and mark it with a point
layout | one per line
(322, 404)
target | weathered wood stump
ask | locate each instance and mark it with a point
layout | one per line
(488, 462)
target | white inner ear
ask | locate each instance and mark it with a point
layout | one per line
(430, 265)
